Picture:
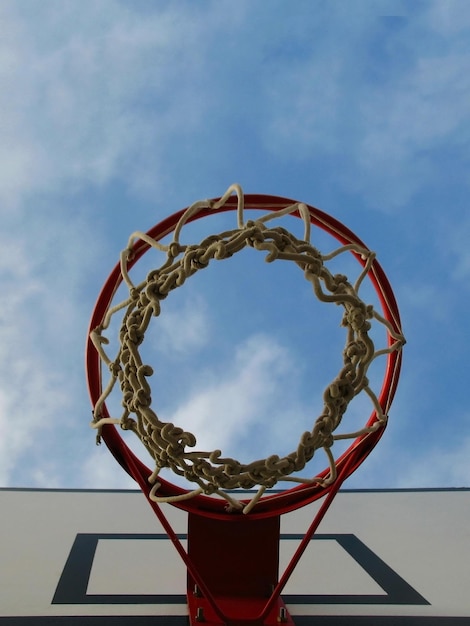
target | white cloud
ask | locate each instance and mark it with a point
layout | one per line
(382, 129)
(241, 408)
(101, 471)
(426, 442)
(182, 329)
(448, 464)
(247, 407)
(422, 303)
(96, 93)
(410, 117)
(454, 250)
(43, 323)
(26, 387)
(415, 112)
(449, 17)
(78, 92)
(30, 400)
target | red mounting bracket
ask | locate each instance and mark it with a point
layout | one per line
(238, 560)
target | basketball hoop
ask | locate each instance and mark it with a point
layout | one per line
(171, 446)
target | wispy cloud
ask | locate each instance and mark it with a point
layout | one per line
(183, 328)
(454, 237)
(227, 408)
(245, 409)
(78, 93)
(397, 465)
(384, 136)
(113, 102)
(101, 471)
(42, 329)
(440, 465)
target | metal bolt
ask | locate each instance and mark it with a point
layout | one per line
(282, 615)
(200, 615)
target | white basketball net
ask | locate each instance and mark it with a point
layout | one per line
(172, 447)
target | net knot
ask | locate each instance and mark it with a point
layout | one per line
(356, 317)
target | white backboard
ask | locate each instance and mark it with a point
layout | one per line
(101, 557)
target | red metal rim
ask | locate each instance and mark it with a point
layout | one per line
(290, 499)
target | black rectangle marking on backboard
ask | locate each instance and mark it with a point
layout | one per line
(73, 582)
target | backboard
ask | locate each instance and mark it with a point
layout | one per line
(101, 557)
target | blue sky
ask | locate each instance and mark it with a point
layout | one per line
(117, 114)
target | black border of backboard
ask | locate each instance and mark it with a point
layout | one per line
(183, 620)
(73, 582)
